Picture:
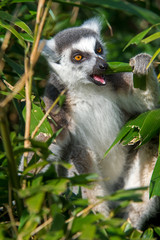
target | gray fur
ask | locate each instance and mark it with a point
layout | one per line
(67, 37)
(96, 108)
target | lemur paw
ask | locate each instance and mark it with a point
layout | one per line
(139, 63)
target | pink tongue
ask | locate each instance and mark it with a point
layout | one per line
(99, 79)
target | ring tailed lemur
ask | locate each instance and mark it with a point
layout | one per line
(96, 107)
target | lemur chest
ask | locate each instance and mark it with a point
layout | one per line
(96, 120)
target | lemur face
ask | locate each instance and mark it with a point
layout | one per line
(78, 53)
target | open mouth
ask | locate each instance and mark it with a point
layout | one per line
(98, 79)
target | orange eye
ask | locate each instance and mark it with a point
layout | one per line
(99, 50)
(78, 57)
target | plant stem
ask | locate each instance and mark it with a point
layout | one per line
(29, 66)
(28, 110)
(46, 114)
(12, 166)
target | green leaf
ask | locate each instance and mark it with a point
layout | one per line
(143, 128)
(57, 186)
(26, 37)
(37, 181)
(20, 149)
(52, 14)
(17, 96)
(155, 180)
(81, 222)
(3, 187)
(139, 81)
(64, 164)
(17, 68)
(127, 195)
(29, 226)
(62, 100)
(34, 203)
(34, 167)
(148, 234)
(153, 57)
(36, 115)
(132, 136)
(19, 1)
(137, 39)
(39, 144)
(123, 132)
(33, 13)
(157, 230)
(136, 234)
(151, 38)
(6, 16)
(115, 67)
(80, 201)
(59, 222)
(54, 136)
(127, 7)
(83, 179)
(24, 218)
(12, 30)
(88, 232)
(150, 126)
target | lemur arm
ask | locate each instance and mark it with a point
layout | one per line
(59, 115)
(59, 119)
(133, 100)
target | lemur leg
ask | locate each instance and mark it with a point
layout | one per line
(85, 162)
(139, 176)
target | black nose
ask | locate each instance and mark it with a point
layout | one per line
(100, 66)
(103, 66)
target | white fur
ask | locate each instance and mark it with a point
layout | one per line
(51, 44)
(85, 45)
(90, 113)
(94, 24)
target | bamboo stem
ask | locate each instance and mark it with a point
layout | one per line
(13, 222)
(17, 88)
(29, 66)
(46, 114)
(12, 166)
(28, 110)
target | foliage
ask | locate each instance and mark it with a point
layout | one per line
(37, 204)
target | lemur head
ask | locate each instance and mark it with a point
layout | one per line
(77, 54)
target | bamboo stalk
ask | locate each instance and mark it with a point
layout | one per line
(39, 228)
(29, 65)
(46, 114)
(33, 58)
(12, 220)
(17, 88)
(12, 169)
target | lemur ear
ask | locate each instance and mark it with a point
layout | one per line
(93, 24)
(49, 45)
(49, 50)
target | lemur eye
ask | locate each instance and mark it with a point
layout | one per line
(78, 57)
(99, 50)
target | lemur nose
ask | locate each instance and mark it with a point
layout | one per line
(103, 66)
